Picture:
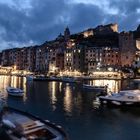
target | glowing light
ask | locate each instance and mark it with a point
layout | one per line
(113, 85)
(15, 67)
(53, 68)
(68, 100)
(73, 44)
(110, 69)
(52, 93)
(138, 44)
(88, 33)
(54, 99)
(70, 73)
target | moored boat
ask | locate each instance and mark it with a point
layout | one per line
(69, 79)
(15, 91)
(91, 87)
(124, 97)
(46, 78)
(40, 78)
(19, 125)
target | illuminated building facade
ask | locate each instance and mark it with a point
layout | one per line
(97, 58)
(110, 56)
(60, 61)
(21, 59)
(93, 58)
(74, 58)
(31, 55)
(136, 62)
(5, 57)
(87, 51)
(40, 63)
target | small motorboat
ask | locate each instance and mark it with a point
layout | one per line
(91, 87)
(15, 91)
(19, 125)
(40, 78)
(124, 97)
(69, 79)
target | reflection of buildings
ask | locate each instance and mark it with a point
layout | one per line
(6, 81)
(52, 85)
(68, 100)
(18, 82)
(52, 88)
(113, 85)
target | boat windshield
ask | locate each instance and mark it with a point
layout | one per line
(13, 89)
(122, 93)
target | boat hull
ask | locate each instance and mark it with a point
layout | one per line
(55, 132)
(116, 103)
(16, 95)
(47, 79)
(95, 88)
(15, 92)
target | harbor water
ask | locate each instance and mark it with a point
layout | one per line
(76, 109)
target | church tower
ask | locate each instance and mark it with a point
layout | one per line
(67, 33)
(138, 29)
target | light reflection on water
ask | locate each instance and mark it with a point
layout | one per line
(113, 85)
(52, 92)
(53, 88)
(72, 107)
(68, 99)
(12, 81)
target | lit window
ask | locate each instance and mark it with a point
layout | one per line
(73, 44)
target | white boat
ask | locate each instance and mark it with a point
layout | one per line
(91, 87)
(15, 91)
(124, 97)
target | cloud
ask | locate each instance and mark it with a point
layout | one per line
(35, 21)
(127, 17)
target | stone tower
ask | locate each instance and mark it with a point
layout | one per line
(127, 48)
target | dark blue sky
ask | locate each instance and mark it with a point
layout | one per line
(27, 22)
